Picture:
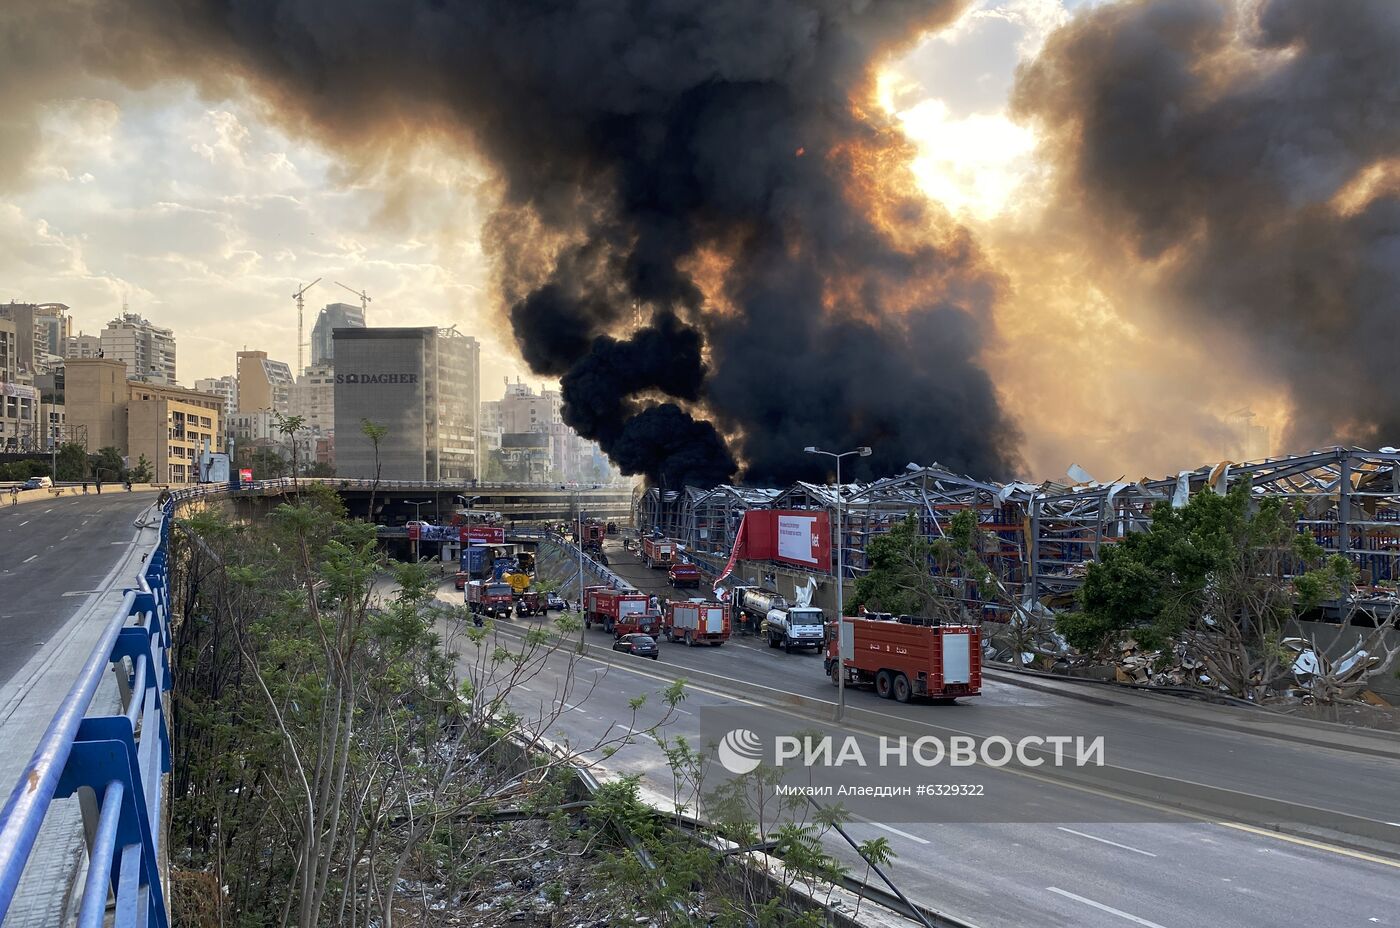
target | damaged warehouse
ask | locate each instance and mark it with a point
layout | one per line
(1037, 543)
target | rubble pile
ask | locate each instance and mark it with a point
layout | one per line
(1171, 667)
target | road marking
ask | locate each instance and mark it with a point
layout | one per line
(890, 828)
(524, 687)
(1106, 841)
(1315, 845)
(30, 558)
(48, 510)
(23, 524)
(81, 592)
(1104, 908)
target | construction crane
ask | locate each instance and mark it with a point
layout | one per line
(301, 345)
(364, 299)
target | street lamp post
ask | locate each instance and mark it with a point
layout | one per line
(578, 541)
(840, 578)
(417, 509)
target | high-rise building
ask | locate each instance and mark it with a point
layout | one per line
(226, 387)
(148, 350)
(82, 346)
(334, 316)
(41, 330)
(263, 384)
(423, 386)
(313, 398)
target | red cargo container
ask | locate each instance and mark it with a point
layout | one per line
(696, 623)
(907, 657)
(618, 612)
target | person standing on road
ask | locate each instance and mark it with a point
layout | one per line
(84, 486)
(14, 496)
(99, 486)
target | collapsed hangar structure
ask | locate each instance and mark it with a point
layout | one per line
(1037, 540)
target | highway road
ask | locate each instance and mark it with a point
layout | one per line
(1103, 865)
(53, 554)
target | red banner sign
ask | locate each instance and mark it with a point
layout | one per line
(245, 476)
(798, 537)
(483, 535)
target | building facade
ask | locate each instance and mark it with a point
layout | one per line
(313, 398)
(225, 387)
(333, 316)
(167, 425)
(148, 350)
(423, 386)
(82, 346)
(40, 333)
(263, 384)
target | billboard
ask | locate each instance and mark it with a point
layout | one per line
(798, 537)
(483, 535)
(245, 476)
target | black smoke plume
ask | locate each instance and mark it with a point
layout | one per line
(646, 141)
(1248, 152)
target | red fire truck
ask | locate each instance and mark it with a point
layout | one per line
(696, 623)
(488, 597)
(658, 552)
(620, 612)
(908, 656)
(684, 574)
(591, 536)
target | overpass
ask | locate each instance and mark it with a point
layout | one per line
(522, 502)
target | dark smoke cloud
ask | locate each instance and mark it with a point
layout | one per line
(1234, 153)
(642, 139)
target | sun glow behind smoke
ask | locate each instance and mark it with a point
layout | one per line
(976, 165)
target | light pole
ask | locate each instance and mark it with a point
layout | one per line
(578, 541)
(417, 508)
(840, 579)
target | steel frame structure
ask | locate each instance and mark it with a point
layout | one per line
(1038, 540)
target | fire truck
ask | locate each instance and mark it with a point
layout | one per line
(696, 623)
(684, 574)
(591, 536)
(620, 612)
(529, 602)
(658, 552)
(490, 597)
(907, 656)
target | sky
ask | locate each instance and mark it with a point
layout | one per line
(203, 215)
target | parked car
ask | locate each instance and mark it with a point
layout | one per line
(554, 601)
(638, 646)
(37, 483)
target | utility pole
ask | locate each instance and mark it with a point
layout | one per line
(840, 581)
(417, 508)
(578, 541)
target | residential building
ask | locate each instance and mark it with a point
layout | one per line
(41, 330)
(313, 398)
(423, 385)
(263, 384)
(19, 401)
(246, 428)
(334, 316)
(148, 350)
(226, 387)
(82, 346)
(168, 425)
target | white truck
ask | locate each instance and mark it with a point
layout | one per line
(796, 627)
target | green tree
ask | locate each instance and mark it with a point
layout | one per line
(23, 470)
(107, 464)
(1223, 576)
(142, 472)
(912, 575)
(72, 462)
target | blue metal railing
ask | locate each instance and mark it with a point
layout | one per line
(121, 758)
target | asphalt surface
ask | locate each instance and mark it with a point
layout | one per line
(1103, 864)
(53, 553)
